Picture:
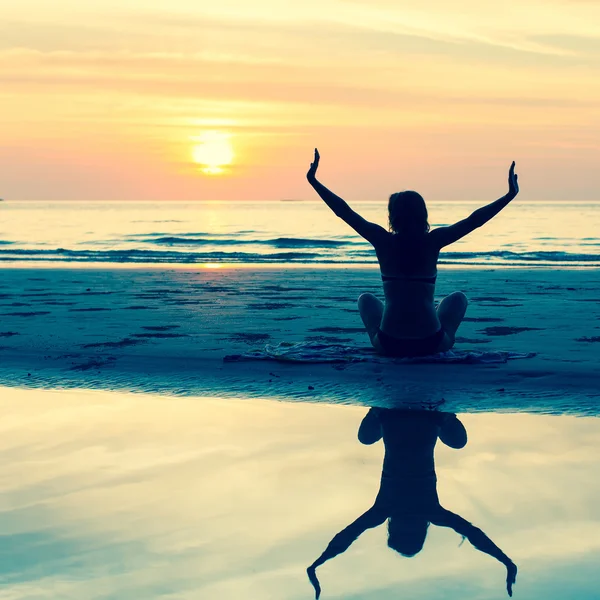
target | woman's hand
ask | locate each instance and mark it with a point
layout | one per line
(511, 577)
(312, 576)
(513, 182)
(312, 172)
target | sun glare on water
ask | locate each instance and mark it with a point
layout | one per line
(213, 152)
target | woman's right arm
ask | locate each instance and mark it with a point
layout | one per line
(444, 236)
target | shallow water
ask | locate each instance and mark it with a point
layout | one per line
(526, 233)
(115, 496)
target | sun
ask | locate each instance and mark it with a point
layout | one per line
(213, 152)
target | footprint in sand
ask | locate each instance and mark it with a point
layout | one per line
(249, 338)
(159, 335)
(93, 364)
(338, 329)
(27, 314)
(120, 344)
(507, 330)
(328, 339)
(139, 307)
(270, 306)
(482, 320)
(465, 340)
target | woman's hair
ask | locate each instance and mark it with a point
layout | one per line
(406, 535)
(408, 214)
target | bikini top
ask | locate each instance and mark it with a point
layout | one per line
(426, 279)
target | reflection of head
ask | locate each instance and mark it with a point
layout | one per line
(406, 534)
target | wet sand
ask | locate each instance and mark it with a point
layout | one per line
(167, 331)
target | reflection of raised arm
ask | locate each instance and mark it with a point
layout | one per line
(444, 236)
(445, 518)
(370, 231)
(343, 540)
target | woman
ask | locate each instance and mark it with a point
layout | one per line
(408, 324)
(407, 496)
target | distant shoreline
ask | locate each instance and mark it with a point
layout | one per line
(381, 201)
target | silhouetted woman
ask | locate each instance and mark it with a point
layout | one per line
(407, 496)
(408, 324)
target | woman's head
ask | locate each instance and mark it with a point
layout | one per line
(406, 534)
(408, 214)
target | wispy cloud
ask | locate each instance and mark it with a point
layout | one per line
(272, 68)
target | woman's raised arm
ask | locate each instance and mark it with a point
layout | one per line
(372, 232)
(343, 540)
(479, 540)
(444, 236)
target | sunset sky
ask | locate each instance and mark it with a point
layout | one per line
(181, 99)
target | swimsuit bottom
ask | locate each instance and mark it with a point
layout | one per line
(406, 347)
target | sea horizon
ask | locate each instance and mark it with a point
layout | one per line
(526, 234)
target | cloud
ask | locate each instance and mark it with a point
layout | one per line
(207, 76)
(447, 73)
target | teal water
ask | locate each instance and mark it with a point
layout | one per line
(286, 232)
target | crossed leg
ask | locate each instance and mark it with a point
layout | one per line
(371, 311)
(451, 311)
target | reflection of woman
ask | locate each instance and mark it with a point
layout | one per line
(408, 324)
(407, 496)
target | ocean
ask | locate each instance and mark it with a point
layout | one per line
(532, 234)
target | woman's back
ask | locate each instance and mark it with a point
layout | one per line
(408, 269)
(409, 438)
(408, 480)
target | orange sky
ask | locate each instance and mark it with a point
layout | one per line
(114, 100)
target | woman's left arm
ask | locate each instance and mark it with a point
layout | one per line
(343, 540)
(372, 232)
(445, 518)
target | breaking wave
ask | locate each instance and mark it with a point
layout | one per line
(295, 250)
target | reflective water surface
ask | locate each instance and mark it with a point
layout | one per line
(527, 233)
(113, 496)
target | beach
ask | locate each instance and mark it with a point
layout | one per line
(168, 331)
(194, 196)
(181, 400)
